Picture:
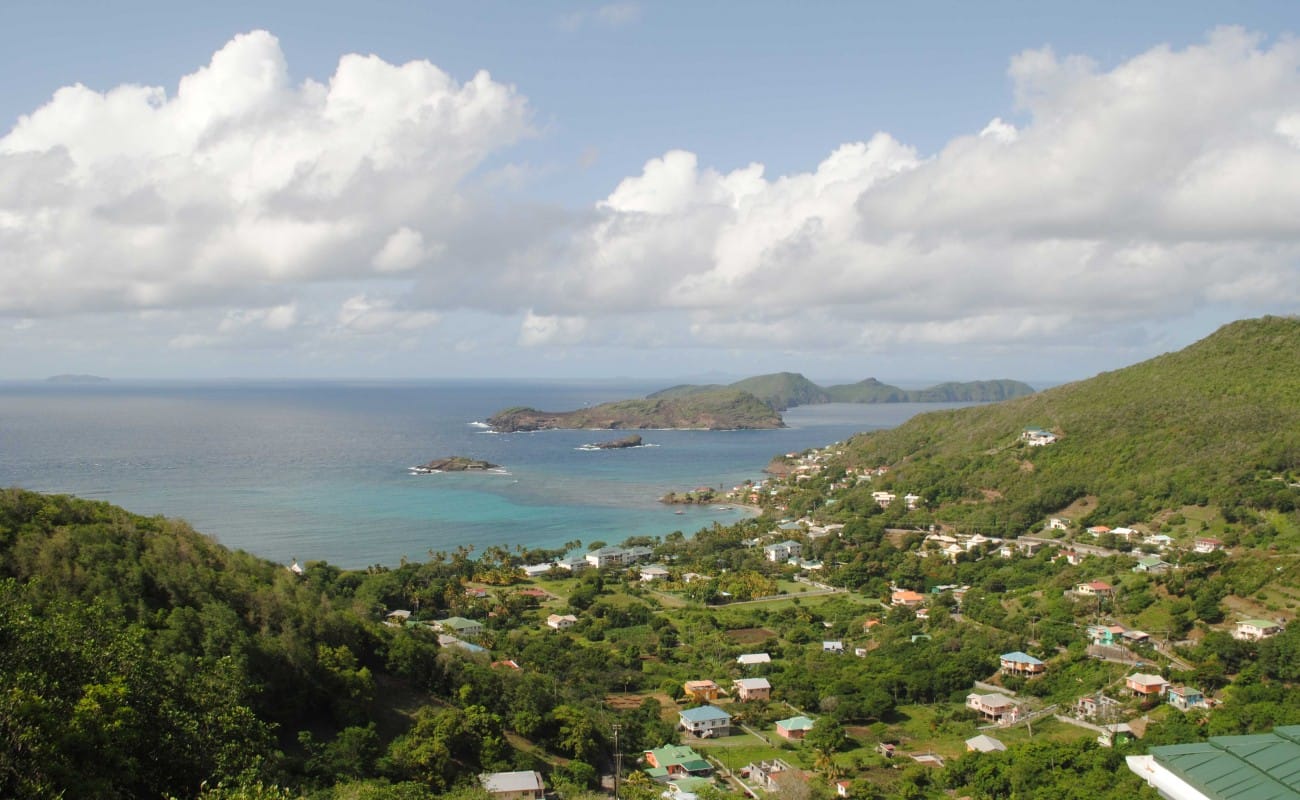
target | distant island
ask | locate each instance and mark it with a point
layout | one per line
(753, 403)
(724, 409)
(786, 390)
(454, 464)
(77, 380)
(617, 444)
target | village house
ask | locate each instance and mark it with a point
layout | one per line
(832, 646)
(1135, 636)
(1152, 564)
(654, 572)
(906, 597)
(1095, 706)
(561, 622)
(524, 785)
(1144, 685)
(767, 775)
(1095, 589)
(460, 626)
(1073, 557)
(1159, 541)
(883, 499)
(704, 721)
(1037, 437)
(782, 551)
(1124, 533)
(993, 707)
(1098, 530)
(794, 728)
(1059, 524)
(705, 691)
(1104, 634)
(1252, 630)
(753, 659)
(1185, 698)
(984, 744)
(397, 618)
(1019, 663)
(675, 761)
(911, 501)
(538, 570)
(752, 689)
(1206, 544)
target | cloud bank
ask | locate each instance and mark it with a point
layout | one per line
(1155, 189)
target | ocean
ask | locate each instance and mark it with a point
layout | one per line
(319, 470)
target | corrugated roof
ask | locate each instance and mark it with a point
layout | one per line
(703, 713)
(1262, 766)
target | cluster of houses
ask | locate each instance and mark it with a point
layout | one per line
(953, 546)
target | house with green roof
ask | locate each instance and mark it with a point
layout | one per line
(1252, 630)
(460, 626)
(794, 727)
(673, 761)
(1264, 766)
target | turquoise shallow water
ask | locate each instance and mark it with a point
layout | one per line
(319, 470)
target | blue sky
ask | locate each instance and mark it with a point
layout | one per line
(907, 191)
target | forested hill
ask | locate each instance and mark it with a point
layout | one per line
(785, 390)
(1217, 422)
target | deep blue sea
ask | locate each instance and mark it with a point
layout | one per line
(318, 470)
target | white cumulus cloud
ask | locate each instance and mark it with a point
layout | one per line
(241, 184)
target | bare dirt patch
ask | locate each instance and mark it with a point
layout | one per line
(750, 635)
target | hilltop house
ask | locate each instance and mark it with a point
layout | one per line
(794, 728)
(704, 721)
(1252, 630)
(1037, 437)
(1019, 663)
(525, 785)
(752, 689)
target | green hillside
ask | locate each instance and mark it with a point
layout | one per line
(783, 390)
(1218, 423)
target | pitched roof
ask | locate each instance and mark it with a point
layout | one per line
(750, 684)
(703, 714)
(1262, 766)
(799, 723)
(754, 658)
(984, 744)
(524, 781)
(1020, 658)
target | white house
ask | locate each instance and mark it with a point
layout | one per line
(783, 551)
(561, 622)
(1252, 630)
(883, 499)
(1037, 437)
(525, 785)
(654, 572)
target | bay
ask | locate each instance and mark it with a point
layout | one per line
(319, 470)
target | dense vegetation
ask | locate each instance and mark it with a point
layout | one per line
(141, 659)
(1217, 423)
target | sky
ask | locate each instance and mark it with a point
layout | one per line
(915, 192)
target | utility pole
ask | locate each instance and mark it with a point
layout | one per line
(618, 760)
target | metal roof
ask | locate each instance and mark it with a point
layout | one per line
(1262, 766)
(703, 713)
